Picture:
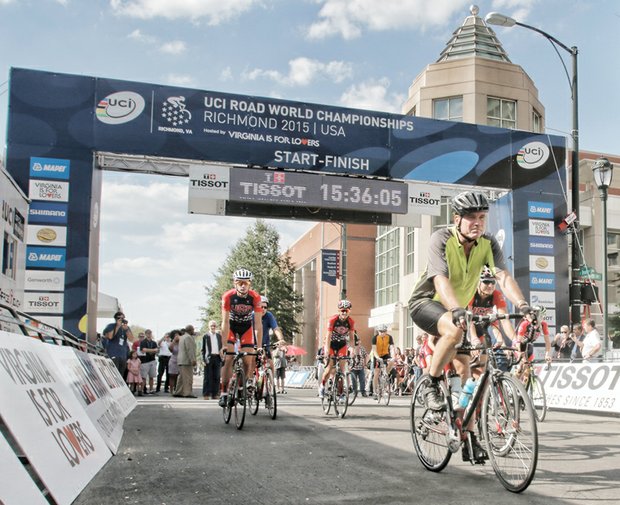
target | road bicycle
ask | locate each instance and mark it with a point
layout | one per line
(263, 387)
(336, 390)
(383, 393)
(535, 388)
(236, 401)
(506, 421)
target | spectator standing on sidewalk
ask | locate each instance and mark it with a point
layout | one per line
(359, 359)
(163, 360)
(577, 336)
(173, 367)
(148, 369)
(186, 361)
(280, 365)
(118, 334)
(212, 357)
(592, 342)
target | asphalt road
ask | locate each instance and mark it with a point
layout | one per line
(179, 452)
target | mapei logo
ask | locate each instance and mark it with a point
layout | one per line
(542, 210)
(49, 168)
(120, 107)
(533, 155)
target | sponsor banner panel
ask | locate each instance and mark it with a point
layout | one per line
(45, 257)
(542, 263)
(582, 386)
(541, 228)
(541, 245)
(48, 212)
(209, 181)
(543, 210)
(542, 298)
(22, 489)
(44, 303)
(549, 318)
(92, 393)
(49, 168)
(46, 419)
(424, 199)
(47, 235)
(115, 383)
(55, 321)
(52, 191)
(44, 280)
(542, 281)
(330, 265)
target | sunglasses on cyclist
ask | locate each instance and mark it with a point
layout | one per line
(242, 283)
(488, 282)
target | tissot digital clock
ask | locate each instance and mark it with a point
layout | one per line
(317, 190)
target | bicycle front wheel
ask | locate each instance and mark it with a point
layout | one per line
(429, 431)
(341, 395)
(510, 432)
(269, 389)
(326, 401)
(253, 398)
(536, 391)
(241, 401)
(353, 383)
(230, 399)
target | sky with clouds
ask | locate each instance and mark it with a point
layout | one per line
(155, 257)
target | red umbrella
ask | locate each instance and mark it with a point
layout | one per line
(295, 350)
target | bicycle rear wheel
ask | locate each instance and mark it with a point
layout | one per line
(253, 398)
(353, 384)
(269, 390)
(387, 390)
(510, 432)
(240, 402)
(536, 391)
(230, 399)
(341, 395)
(326, 401)
(429, 431)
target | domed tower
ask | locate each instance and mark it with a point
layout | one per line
(474, 81)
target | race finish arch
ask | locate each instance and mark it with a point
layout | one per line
(262, 157)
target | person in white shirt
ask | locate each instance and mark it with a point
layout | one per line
(592, 343)
(212, 358)
(164, 359)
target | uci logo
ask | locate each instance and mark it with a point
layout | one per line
(120, 107)
(533, 155)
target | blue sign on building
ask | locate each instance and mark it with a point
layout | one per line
(49, 168)
(48, 213)
(542, 281)
(542, 210)
(541, 245)
(330, 261)
(45, 257)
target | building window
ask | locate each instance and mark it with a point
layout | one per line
(449, 109)
(537, 124)
(387, 267)
(9, 256)
(410, 250)
(502, 113)
(444, 219)
(409, 332)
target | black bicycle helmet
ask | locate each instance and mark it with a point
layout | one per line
(468, 202)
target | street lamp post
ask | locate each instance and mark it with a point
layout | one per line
(603, 172)
(495, 18)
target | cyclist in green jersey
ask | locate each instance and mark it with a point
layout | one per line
(457, 256)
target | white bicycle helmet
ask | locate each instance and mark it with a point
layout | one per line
(344, 304)
(242, 275)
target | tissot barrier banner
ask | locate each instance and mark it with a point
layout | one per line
(48, 422)
(92, 392)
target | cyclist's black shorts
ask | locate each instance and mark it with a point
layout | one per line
(425, 313)
(385, 358)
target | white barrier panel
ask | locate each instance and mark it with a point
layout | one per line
(92, 392)
(18, 487)
(46, 419)
(114, 381)
(582, 386)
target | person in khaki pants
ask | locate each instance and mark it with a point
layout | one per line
(186, 361)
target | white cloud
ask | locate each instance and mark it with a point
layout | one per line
(173, 47)
(373, 95)
(303, 71)
(215, 11)
(180, 80)
(349, 18)
(518, 9)
(141, 37)
(226, 74)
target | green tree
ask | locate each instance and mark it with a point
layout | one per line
(259, 252)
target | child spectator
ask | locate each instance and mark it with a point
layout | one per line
(134, 379)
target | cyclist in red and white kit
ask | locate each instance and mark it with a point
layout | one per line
(339, 330)
(241, 317)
